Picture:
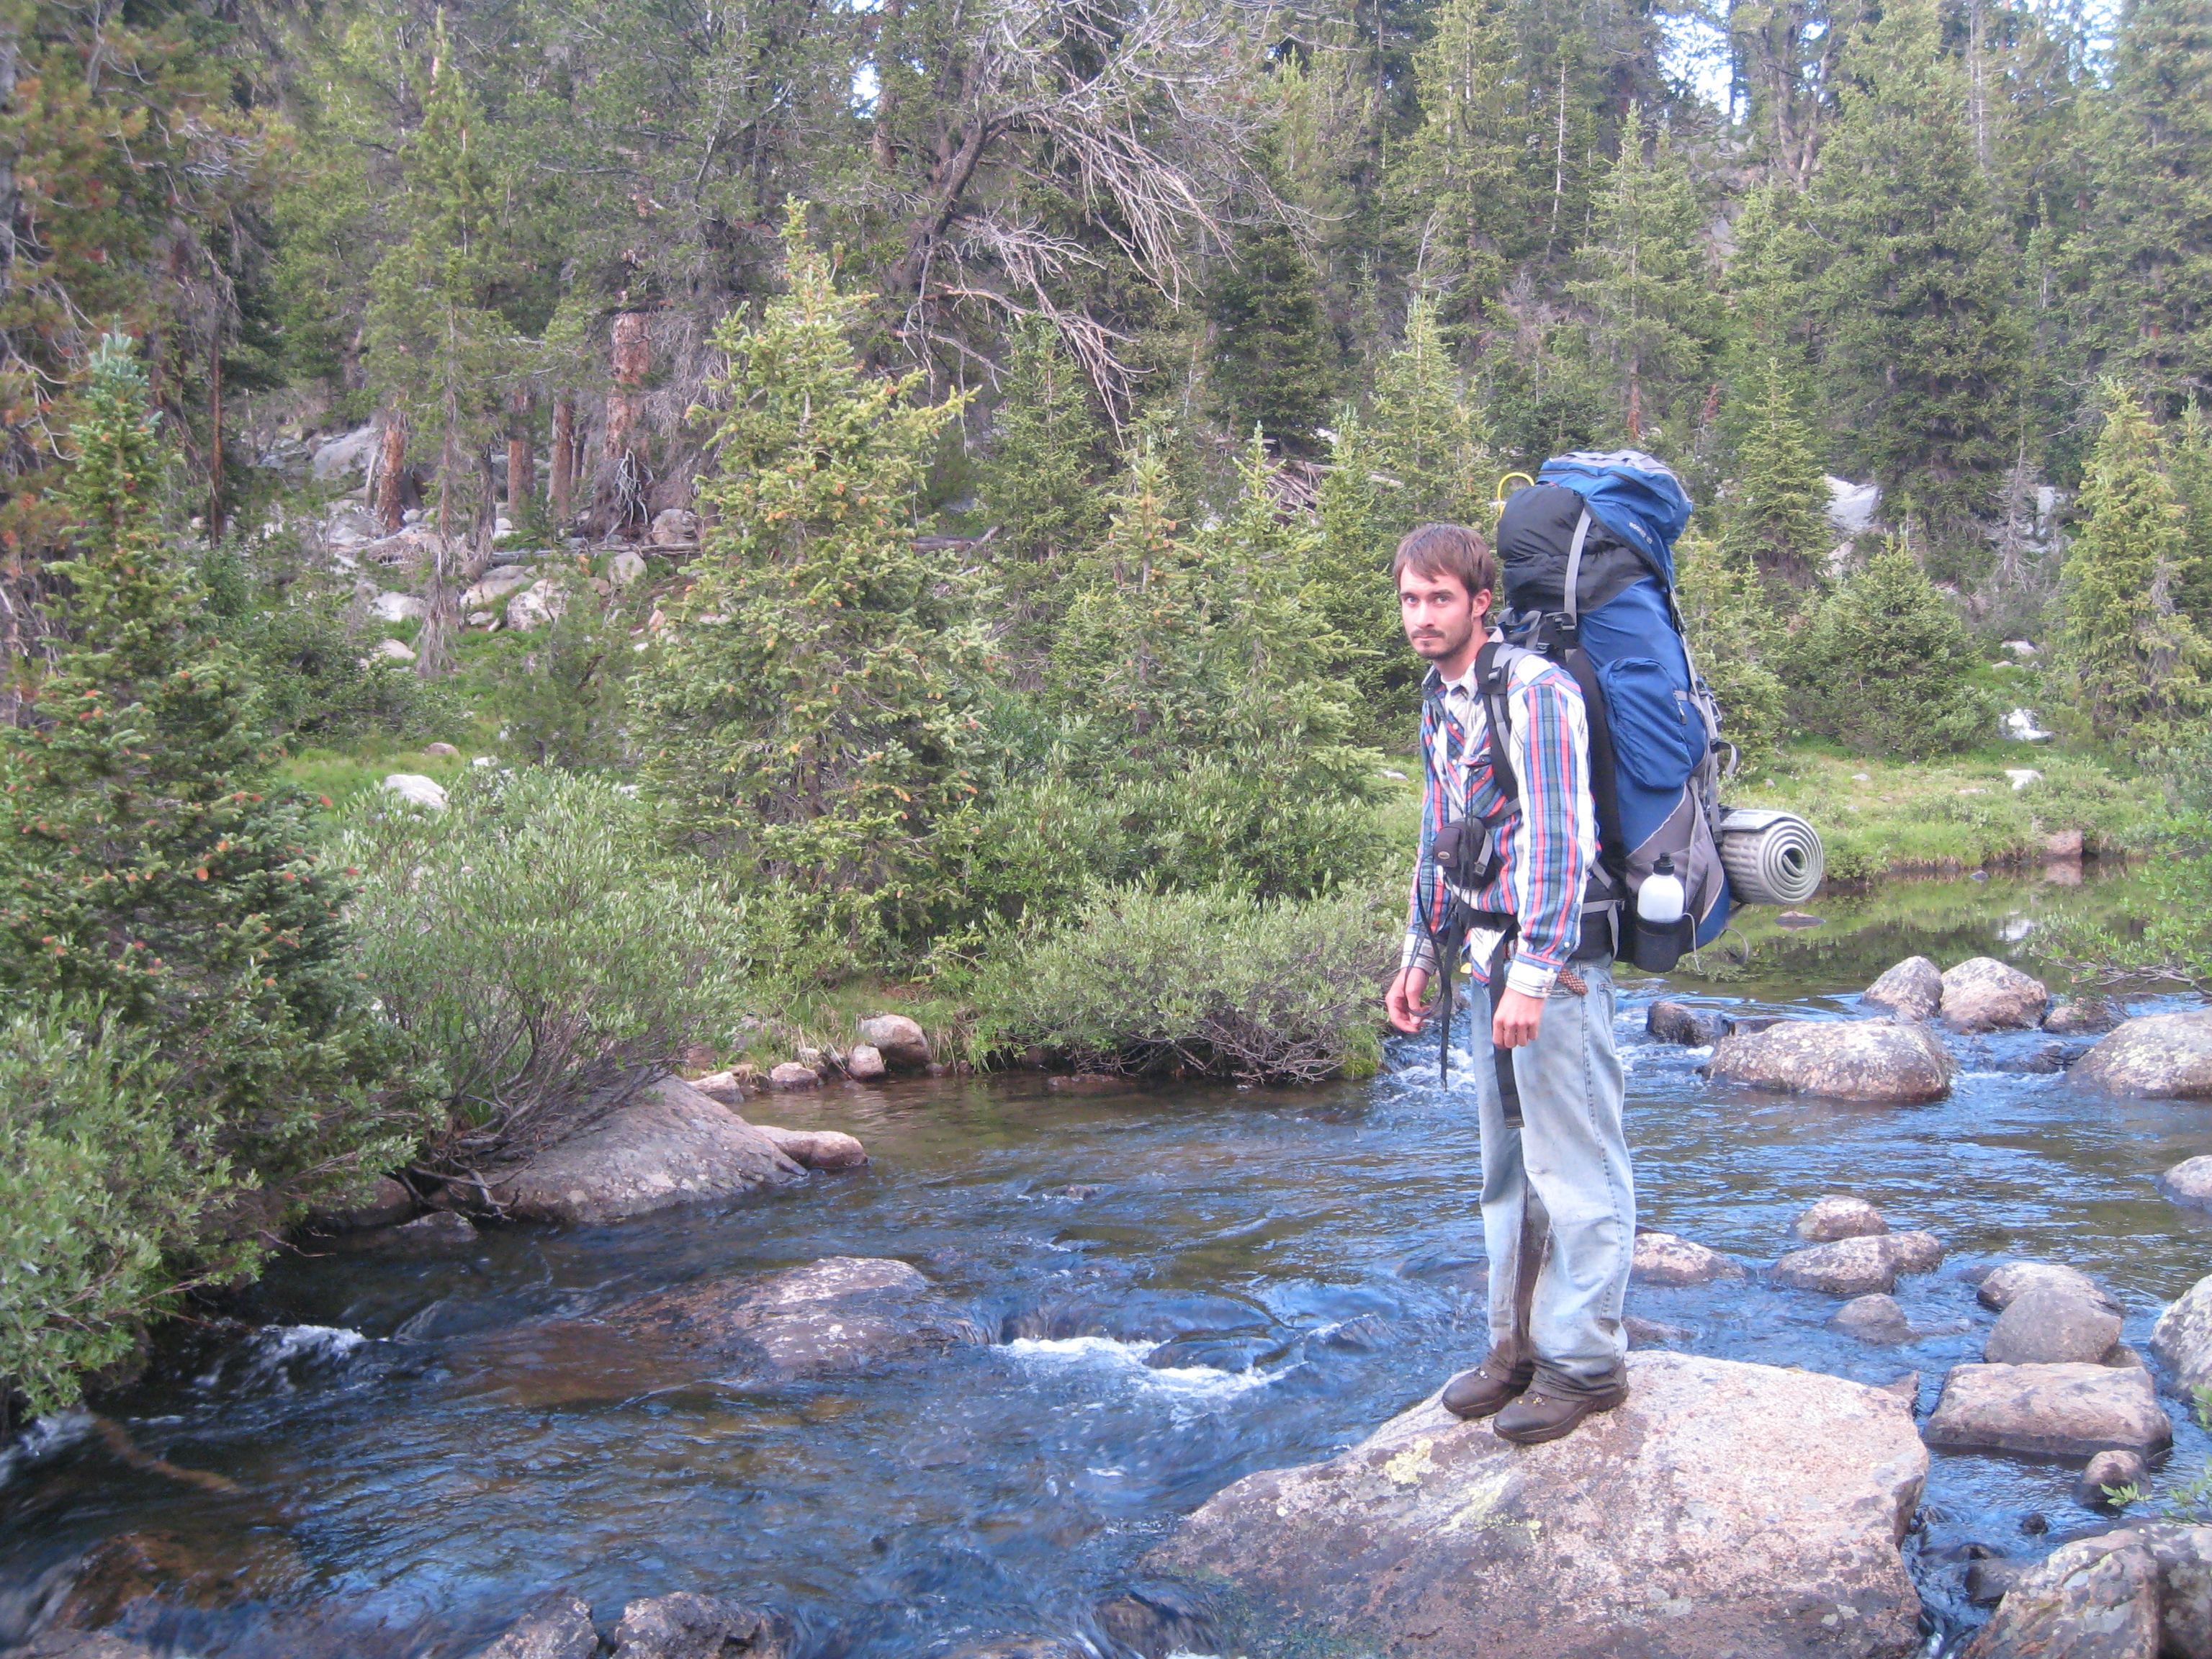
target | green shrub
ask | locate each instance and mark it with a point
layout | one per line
(535, 948)
(1213, 983)
(106, 1183)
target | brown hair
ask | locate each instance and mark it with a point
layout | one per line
(1447, 550)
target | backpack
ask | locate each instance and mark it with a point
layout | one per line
(1588, 563)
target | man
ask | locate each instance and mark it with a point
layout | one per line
(1557, 1350)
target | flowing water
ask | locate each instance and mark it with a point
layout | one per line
(1187, 1286)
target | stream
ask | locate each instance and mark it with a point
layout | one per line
(1188, 1284)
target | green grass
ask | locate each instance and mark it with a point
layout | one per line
(336, 775)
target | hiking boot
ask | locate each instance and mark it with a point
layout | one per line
(1490, 1385)
(1536, 1416)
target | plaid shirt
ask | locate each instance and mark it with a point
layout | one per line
(1549, 835)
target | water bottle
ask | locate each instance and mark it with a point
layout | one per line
(1659, 900)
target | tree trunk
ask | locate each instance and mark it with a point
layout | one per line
(564, 456)
(391, 471)
(632, 364)
(521, 463)
(434, 649)
(215, 440)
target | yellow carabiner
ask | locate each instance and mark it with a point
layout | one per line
(1499, 502)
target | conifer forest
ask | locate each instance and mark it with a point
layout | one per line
(544, 544)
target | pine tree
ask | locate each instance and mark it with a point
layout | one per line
(2136, 662)
(812, 715)
(1272, 351)
(439, 348)
(2191, 470)
(1773, 518)
(1426, 437)
(2148, 245)
(1650, 290)
(154, 867)
(1350, 574)
(1917, 304)
(1040, 485)
(1729, 621)
(1883, 665)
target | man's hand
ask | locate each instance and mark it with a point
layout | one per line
(1403, 1001)
(1517, 1019)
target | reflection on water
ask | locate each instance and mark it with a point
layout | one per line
(1258, 1279)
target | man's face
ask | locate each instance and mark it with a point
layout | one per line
(1441, 616)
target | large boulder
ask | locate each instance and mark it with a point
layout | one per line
(2096, 1598)
(1914, 988)
(1827, 1219)
(417, 790)
(903, 1045)
(341, 456)
(1726, 1508)
(1859, 1266)
(561, 1628)
(842, 1314)
(2056, 1411)
(2006, 1284)
(2182, 1337)
(542, 602)
(2050, 1324)
(667, 1145)
(1664, 1259)
(2168, 1054)
(1983, 994)
(1872, 1060)
(2183, 1554)
(689, 1625)
(2188, 1182)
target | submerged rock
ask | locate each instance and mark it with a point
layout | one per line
(1837, 1216)
(1983, 994)
(1725, 1508)
(687, 1626)
(1875, 1319)
(1859, 1266)
(1869, 1060)
(1664, 1259)
(81, 1644)
(837, 1314)
(2161, 1055)
(2054, 1324)
(2096, 1598)
(1669, 1021)
(559, 1629)
(2056, 1411)
(667, 1145)
(1914, 988)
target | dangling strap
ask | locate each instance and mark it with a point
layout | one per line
(1508, 1085)
(1575, 565)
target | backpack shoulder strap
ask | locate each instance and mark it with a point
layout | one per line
(1493, 674)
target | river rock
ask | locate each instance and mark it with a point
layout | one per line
(864, 1063)
(791, 1075)
(2115, 1469)
(375, 1201)
(441, 1230)
(2058, 1411)
(2007, 1283)
(1871, 1060)
(667, 1145)
(688, 1626)
(1023, 1647)
(1664, 1259)
(2096, 1598)
(2183, 1554)
(2183, 1338)
(904, 1044)
(1838, 1216)
(1700, 1518)
(1875, 1319)
(560, 1629)
(1859, 1266)
(1914, 988)
(2050, 1324)
(840, 1314)
(1669, 1021)
(2168, 1054)
(1983, 994)
(817, 1149)
(2080, 1017)
(723, 1086)
(81, 1644)
(2188, 1182)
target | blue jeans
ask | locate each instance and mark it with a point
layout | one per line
(1566, 1168)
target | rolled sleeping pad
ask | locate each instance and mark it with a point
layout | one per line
(1770, 857)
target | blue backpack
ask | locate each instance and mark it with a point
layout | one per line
(1588, 560)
